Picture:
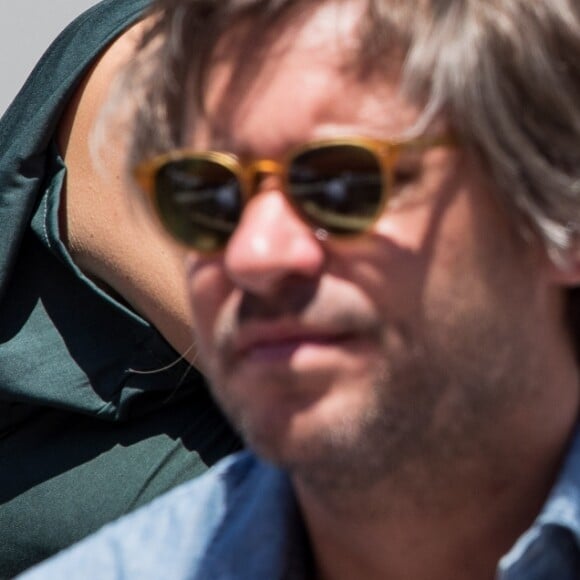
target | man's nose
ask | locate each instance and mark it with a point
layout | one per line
(270, 244)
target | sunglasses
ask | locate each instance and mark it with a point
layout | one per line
(339, 186)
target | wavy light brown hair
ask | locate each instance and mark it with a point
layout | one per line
(505, 74)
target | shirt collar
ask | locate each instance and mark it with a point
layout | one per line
(552, 543)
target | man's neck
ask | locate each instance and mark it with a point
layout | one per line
(459, 528)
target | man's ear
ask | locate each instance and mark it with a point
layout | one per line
(564, 265)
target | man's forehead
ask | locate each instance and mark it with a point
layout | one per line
(305, 22)
(326, 32)
(308, 73)
(301, 106)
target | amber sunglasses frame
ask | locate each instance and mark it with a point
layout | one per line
(386, 153)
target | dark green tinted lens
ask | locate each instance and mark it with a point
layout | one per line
(199, 202)
(337, 187)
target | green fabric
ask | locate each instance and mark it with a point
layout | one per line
(84, 436)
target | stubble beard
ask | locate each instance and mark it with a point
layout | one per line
(356, 451)
(430, 414)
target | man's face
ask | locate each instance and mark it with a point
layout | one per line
(353, 358)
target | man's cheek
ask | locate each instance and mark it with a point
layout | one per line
(208, 289)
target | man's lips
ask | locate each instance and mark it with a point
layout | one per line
(279, 340)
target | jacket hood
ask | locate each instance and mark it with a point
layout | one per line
(64, 342)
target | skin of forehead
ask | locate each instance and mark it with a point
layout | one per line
(234, 84)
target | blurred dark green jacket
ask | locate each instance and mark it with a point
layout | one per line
(83, 438)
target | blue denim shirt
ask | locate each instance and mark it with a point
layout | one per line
(550, 549)
(240, 521)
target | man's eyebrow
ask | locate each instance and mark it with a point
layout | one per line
(230, 146)
(219, 139)
(227, 143)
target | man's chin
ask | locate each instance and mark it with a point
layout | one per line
(299, 437)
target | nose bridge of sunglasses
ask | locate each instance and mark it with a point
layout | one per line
(259, 173)
(388, 154)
